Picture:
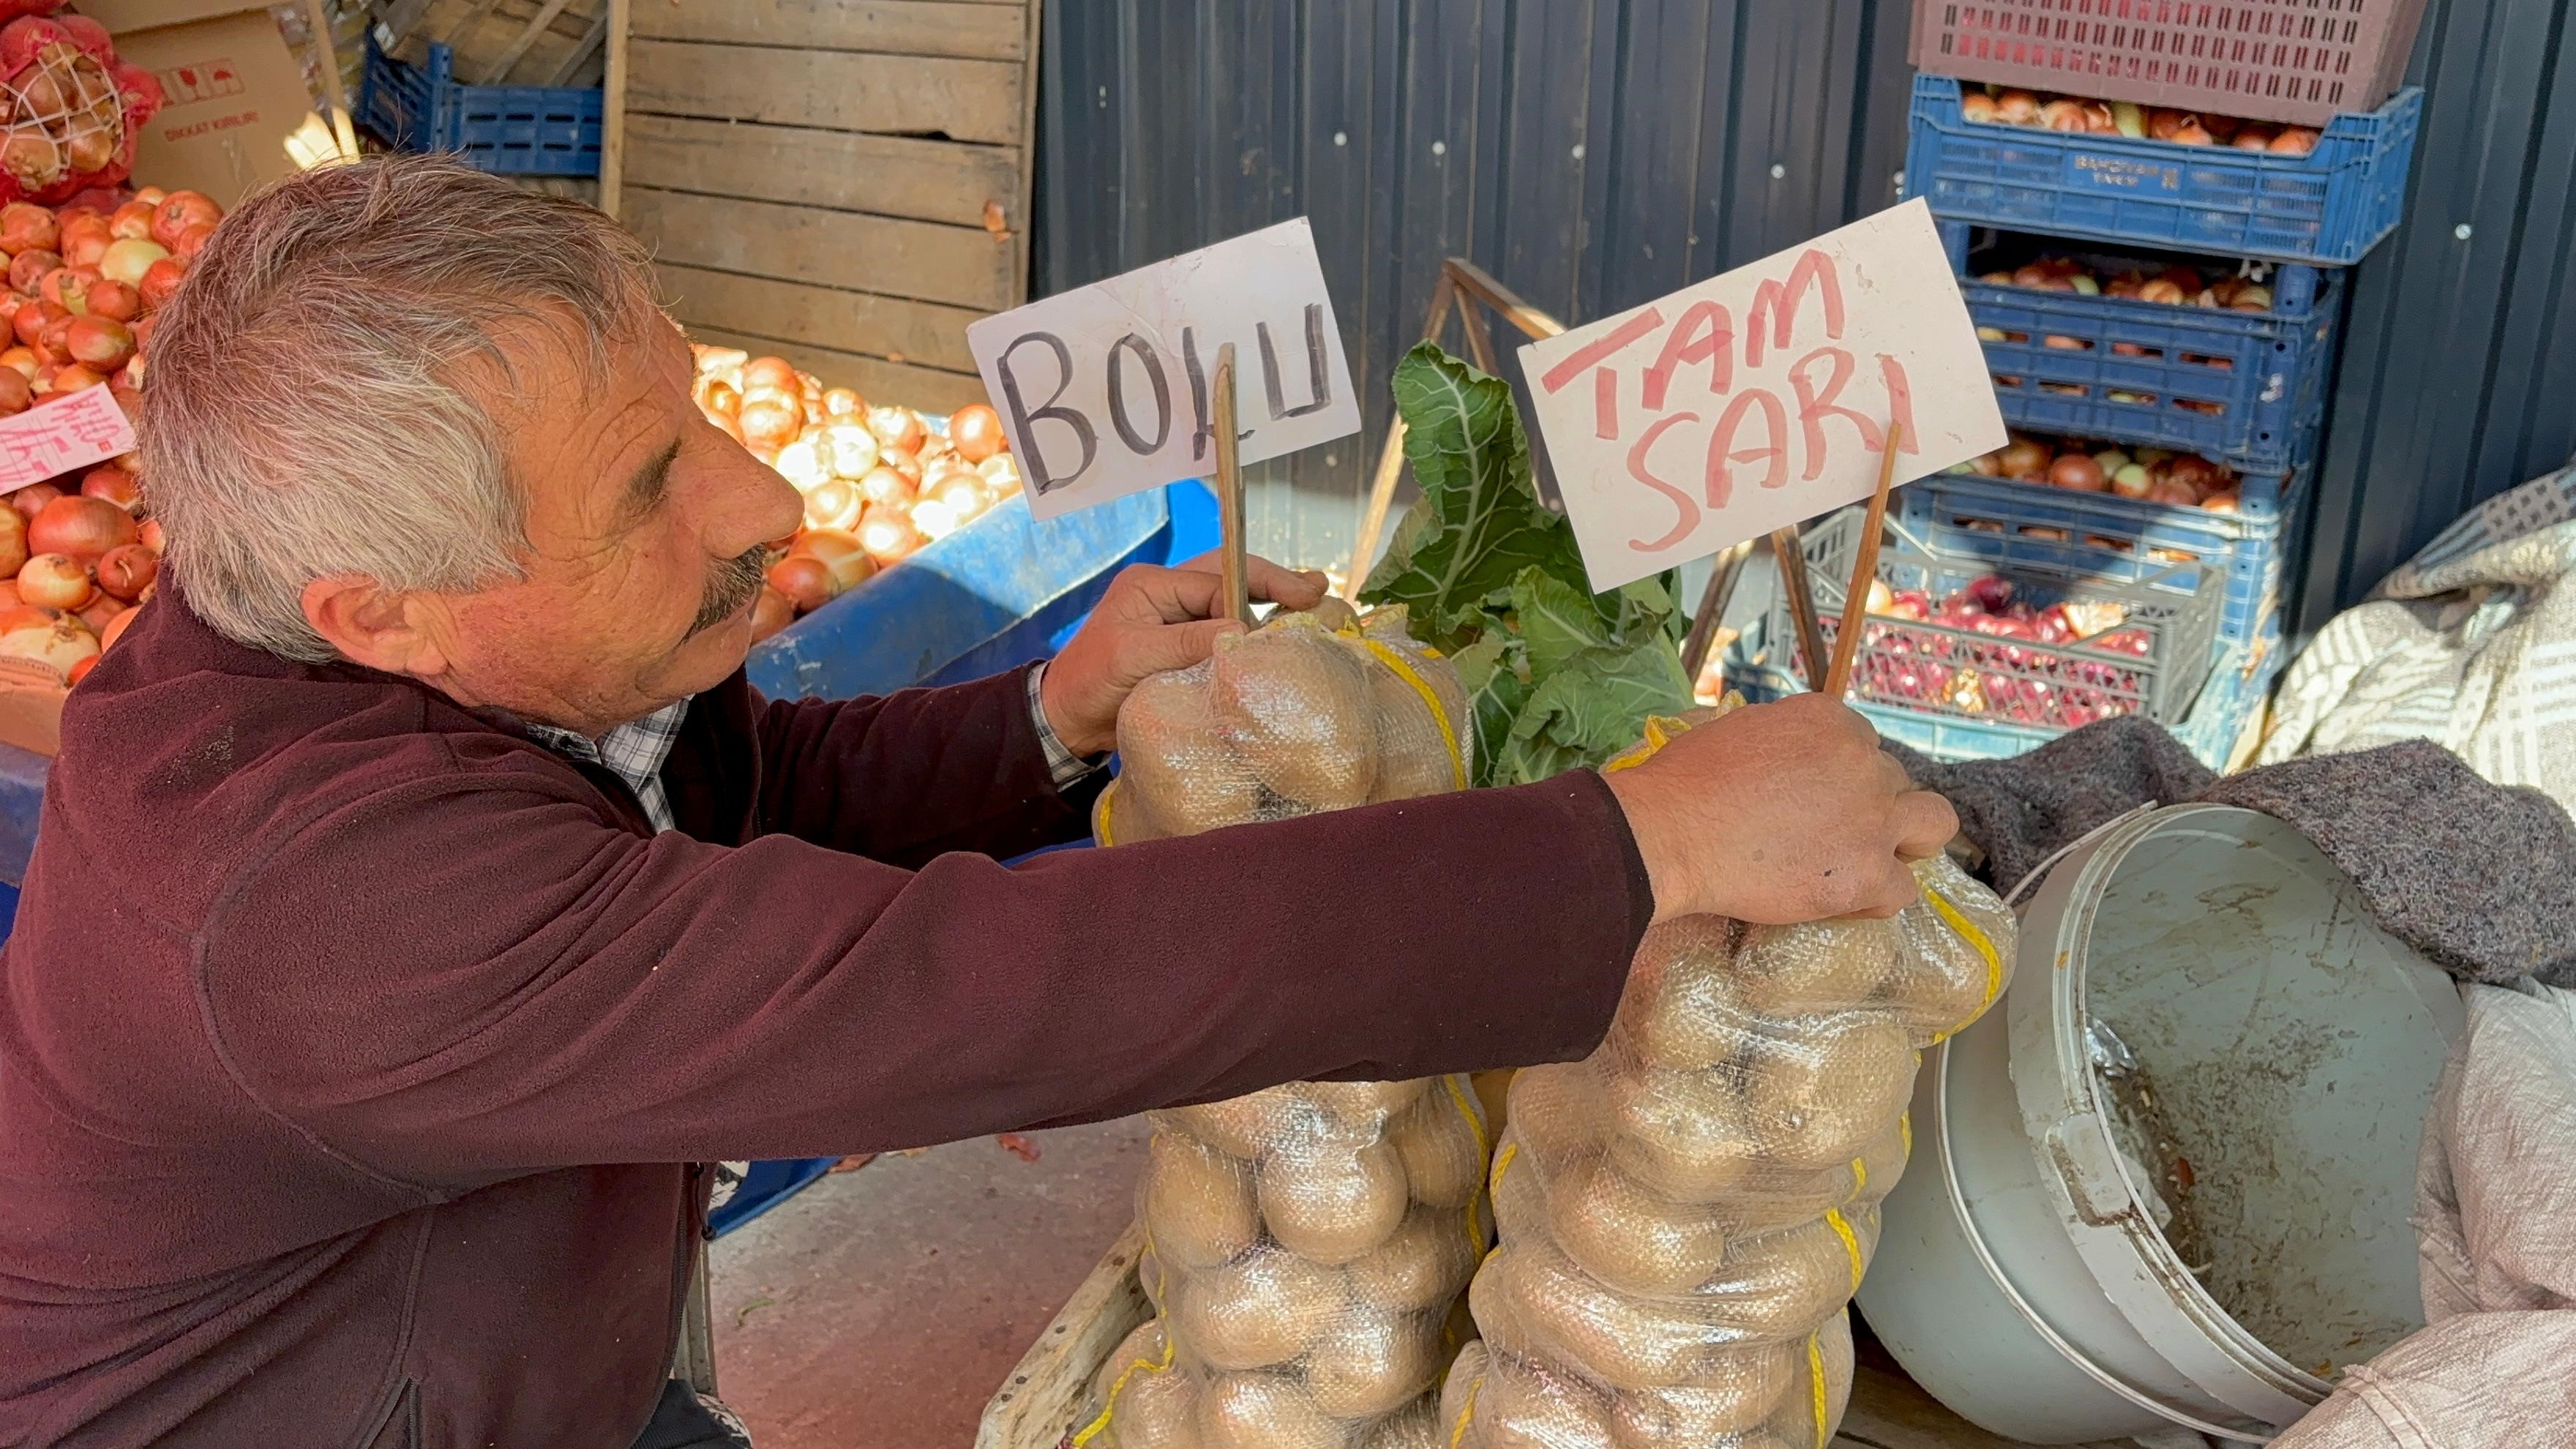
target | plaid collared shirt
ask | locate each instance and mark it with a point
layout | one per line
(634, 752)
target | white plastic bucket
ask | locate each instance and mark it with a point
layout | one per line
(2291, 1048)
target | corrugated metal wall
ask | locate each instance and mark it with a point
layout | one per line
(1596, 153)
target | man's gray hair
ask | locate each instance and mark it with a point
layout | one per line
(312, 404)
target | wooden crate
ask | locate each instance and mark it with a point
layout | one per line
(504, 42)
(842, 182)
(1039, 1406)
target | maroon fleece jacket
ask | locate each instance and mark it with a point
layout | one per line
(353, 1045)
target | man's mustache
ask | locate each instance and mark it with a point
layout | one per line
(731, 586)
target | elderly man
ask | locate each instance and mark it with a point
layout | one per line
(423, 889)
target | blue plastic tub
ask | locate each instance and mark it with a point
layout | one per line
(2328, 207)
(2123, 539)
(508, 130)
(2236, 386)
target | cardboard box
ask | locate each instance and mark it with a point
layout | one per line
(235, 92)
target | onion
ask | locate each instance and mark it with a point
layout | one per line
(179, 211)
(1977, 106)
(71, 377)
(2017, 108)
(935, 520)
(114, 484)
(898, 429)
(80, 669)
(84, 528)
(13, 547)
(2196, 473)
(27, 502)
(805, 580)
(57, 581)
(977, 433)
(61, 643)
(850, 447)
(2294, 141)
(886, 486)
(99, 342)
(767, 424)
(127, 571)
(150, 195)
(2252, 138)
(2192, 133)
(27, 269)
(770, 613)
(133, 219)
(2079, 472)
(888, 534)
(16, 393)
(963, 492)
(149, 535)
(2062, 115)
(2166, 490)
(117, 626)
(101, 610)
(1001, 474)
(126, 261)
(2225, 500)
(86, 239)
(836, 504)
(842, 402)
(2024, 458)
(20, 360)
(802, 463)
(2132, 481)
(27, 227)
(191, 241)
(838, 550)
(160, 282)
(114, 300)
(772, 372)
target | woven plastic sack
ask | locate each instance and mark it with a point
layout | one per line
(1306, 1246)
(74, 111)
(1685, 1213)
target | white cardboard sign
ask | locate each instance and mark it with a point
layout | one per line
(1105, 390)
(56, 436)
(1761, 398)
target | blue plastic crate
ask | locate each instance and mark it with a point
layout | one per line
(2235, 386)
(2122, 539)
(507, 130)
(2328, 207)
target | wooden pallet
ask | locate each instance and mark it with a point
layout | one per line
(504, 42)
(844, 183)
(1038, 1407)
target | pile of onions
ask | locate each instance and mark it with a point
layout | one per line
(2154, 474)
(85, 280)
(878, 482)
(2003, 106)
(2176, 285)
(81, 561)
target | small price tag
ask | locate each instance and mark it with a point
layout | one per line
(1104, 390)
(61, 434)
(1760, 398)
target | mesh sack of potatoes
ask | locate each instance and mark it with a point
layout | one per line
(1684, 1214)
(1307, 1245)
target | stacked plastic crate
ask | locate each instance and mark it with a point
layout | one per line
(2160, 300)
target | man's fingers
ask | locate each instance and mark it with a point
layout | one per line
(1292, 588)
(1896, 890)
(1175, 646)
(1925, 825)
(1892, 775)
(1189, 591)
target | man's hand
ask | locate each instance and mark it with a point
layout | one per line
(1781, 813)
(1152, 619)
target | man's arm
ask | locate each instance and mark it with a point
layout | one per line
(536, 988)
(901, 778)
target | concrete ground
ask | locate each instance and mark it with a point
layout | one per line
(883, 1306)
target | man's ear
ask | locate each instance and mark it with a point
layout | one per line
(373, 627)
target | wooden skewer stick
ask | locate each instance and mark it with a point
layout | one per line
(1712, 603)
(1864, 572)
(1792, 559)
(1229, 490)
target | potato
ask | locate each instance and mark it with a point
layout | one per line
(1333, 1203)
(1531, 1301)
(1422, 1267)
(1946, 977)
(1462, 1382)
(1417, 1427)
(1629, 1238)
(1788, 1197)
(1739, 1387)
(1196, 1202)
(1556, 1111)
(1823, 966)
(1264, 1411)
(1154, 1411)
(1365, 1106)
(1682, 1134)
(1120, 817)
(1261, 1310)
(1818, 1096)
(1782, 1284)
(1437, 1142)
(1792, 1424)
(1143, 1346)
(1247, 1127)
(1294, 703)
(1683, 1012)
(1370, 1362)
(1174, 763)
(1522, 1406)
